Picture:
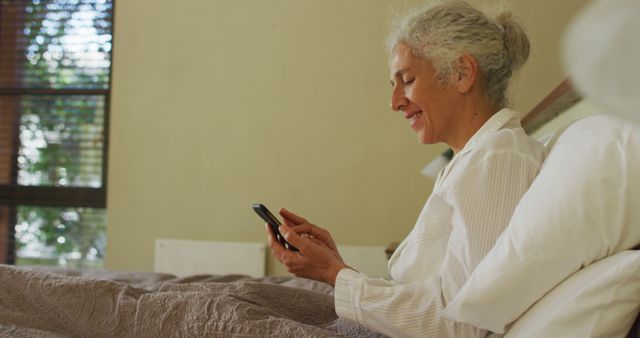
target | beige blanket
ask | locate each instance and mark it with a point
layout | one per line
(68, 303)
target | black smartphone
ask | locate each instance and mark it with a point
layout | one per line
(273, 222)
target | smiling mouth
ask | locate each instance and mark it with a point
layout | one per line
(415, 116)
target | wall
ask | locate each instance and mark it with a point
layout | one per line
(219, 104)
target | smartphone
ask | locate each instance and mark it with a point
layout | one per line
(273, 222)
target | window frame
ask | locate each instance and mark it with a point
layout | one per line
(13, 195)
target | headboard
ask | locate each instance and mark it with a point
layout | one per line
(563, 97)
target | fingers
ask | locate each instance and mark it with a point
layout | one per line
(303, 228)
(283, 255)
(274, 243)
(292, 237)
(307, 228)
(291, 218)
(318, 242)
(314, 260)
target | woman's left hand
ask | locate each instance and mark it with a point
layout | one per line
(313, 261)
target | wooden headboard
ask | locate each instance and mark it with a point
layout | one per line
(563, 97)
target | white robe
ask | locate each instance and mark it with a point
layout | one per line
(471, 204)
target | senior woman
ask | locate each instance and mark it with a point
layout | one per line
(450, 67)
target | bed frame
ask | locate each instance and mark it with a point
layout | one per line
(563, 97)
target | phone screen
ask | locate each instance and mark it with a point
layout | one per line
(273, 222)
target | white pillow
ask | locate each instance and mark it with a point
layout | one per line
(601, 300)
(583, 206)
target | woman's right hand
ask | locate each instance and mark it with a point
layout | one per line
(305, 229)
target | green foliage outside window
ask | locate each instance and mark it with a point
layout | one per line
(68, 45)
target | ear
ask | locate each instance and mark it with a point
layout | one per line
(465, 74)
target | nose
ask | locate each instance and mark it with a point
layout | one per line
(398, 100)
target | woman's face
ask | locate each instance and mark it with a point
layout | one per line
(427, 103)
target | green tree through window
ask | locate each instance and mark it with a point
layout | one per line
(55, 67)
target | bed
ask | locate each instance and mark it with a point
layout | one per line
(595, 293)
(57, 302)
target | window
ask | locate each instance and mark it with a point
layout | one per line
(55, 72)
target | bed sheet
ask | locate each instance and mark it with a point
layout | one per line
(53, 302)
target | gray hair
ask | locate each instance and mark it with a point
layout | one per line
(443, 32)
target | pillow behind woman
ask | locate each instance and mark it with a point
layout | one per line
(583, 206)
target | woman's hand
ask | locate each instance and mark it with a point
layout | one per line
(318, 257)
(305, 229)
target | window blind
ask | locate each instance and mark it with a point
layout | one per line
(55, 75)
